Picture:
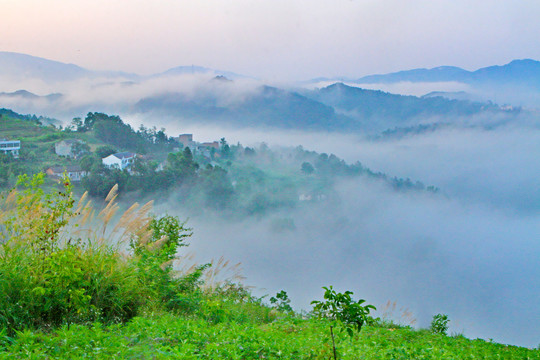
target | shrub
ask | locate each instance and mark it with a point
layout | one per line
(340, 307)
(439, 324)
(281, 302)
(55, 271)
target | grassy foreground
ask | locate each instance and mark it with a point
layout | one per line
(167, 336)
(76, 283)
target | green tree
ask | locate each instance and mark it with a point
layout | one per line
(181, 166)
(90, 162)
(340, 307)
(78, 124)
(225, 149)
(307, 168)
(105, 150)
(217, 187)
(79, 149)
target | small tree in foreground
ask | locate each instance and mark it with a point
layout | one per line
(439, 324)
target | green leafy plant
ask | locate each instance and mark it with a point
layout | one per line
(352, 315)
(439, 324)
(281, 302)
(341, 308)
(61, 265)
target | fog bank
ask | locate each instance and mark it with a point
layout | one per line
(471, 251)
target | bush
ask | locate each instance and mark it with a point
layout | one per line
(281, 302)
(352, 315)
(439, 324)
(53, 271)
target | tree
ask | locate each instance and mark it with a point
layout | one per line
(99, 182)
(249, 152)
(342, 310)
(217, 186)
(225, 149)
(78, 124)
(307, 168)
(340, 307)
(89, 162)
(79, 148)
(181, 167)
(105, 150)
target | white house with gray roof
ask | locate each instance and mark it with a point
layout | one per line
(122, 160)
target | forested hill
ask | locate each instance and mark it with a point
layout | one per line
(265, 107)
(234, 179)
(381, 110)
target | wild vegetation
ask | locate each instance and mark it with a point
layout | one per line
(81, 283)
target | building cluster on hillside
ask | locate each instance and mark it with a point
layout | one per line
(197, 148)
(120, 160)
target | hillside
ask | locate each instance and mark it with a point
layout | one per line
(96, 300)
(237, 181)
(37, 143)
(164, 336)
(265, 107)
(378, 110)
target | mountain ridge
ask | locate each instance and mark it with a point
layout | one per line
(524, 71)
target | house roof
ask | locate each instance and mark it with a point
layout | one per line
(69, 141)
(67, 168)
(124, 155)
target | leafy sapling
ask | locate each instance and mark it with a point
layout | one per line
(281, 302)
(439, 324)
(340, 307)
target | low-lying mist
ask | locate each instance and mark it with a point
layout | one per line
(116, 94)
(470, 251)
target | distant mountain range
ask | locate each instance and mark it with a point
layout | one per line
(15, 65)
(22, 66)
(221, 97)
(524, 72)
(518, 72)
(337, 107)
(267, 106)
(375, 108)
(28, 95)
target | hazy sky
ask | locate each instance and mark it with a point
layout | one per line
(273, 39)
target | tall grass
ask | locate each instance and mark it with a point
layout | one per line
(63, 263)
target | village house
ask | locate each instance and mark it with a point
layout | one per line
(213, 144)
(186, 140)
(74, 172)
(65, 147)
(122, 160)
(10, 147)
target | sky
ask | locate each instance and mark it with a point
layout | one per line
(273, 39)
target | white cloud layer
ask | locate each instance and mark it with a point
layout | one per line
(468, 251)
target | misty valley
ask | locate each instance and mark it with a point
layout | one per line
(421, 204)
